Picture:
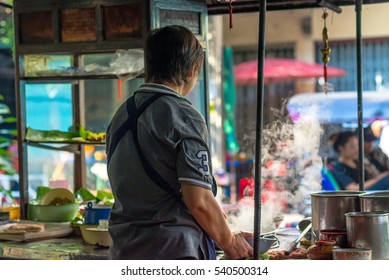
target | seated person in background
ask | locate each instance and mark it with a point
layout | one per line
(346, 168)
(373, 153)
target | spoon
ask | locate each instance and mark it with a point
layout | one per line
(293, 245)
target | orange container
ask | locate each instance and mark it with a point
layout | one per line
(14, 212)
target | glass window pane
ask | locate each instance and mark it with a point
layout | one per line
(96, 168)
(121, 62)
(102, 99)
(49, 106)
(49, 168)
(45, 65)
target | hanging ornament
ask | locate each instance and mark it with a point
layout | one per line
(325, 50)
(230, 9)
(120, 89)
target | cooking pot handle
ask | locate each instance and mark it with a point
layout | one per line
(89, 205)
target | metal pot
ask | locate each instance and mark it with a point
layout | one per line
(375, 201)
(369, 230)
(328, 209)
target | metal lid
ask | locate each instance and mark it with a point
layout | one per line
(380, 194)
(338, 193)
(367, 214)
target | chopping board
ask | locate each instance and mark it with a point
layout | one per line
(51, 230)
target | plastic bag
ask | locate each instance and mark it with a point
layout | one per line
(128, 64)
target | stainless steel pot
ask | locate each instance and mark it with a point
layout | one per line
(375, 201)
(369, 230)
(328, 209)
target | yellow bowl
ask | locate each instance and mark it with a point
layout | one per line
(95, 236)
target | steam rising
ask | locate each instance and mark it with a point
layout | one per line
(291, 168)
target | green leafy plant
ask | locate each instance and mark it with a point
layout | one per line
(6, 41)
(6, 141)
(6, 138)
(6, 26)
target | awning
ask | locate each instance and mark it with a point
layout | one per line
(281, 70)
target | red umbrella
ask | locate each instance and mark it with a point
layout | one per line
(281, 70)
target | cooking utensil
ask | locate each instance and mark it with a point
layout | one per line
(351, 254)
(375, 201)
(328, 209)
(293, 245)
(303, 224)
(369, 230)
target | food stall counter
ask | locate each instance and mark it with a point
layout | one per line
(69, 248)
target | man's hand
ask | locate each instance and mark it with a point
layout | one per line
(238, 247)
(212, 219)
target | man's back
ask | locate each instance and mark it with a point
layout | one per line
(143, 211)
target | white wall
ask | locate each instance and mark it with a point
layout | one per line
(286, 27)
(375, 22)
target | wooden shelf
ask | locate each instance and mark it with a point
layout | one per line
(70, 147)
(67, 142)
(74, 77)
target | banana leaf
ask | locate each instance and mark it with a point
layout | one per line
(102, 196)
(41, 191)
(105, 197)
(49, 135)
(85, 195)
(89, 135)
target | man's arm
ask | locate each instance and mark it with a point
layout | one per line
(208, 214)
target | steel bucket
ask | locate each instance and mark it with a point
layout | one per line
(375, 201)
(369, 230)
(329, 209)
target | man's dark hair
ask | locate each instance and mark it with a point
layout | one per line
(342, 138)
(171, 53)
